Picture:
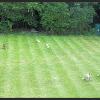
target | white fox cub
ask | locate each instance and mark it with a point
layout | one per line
(87, 77)
(38, 41)
(47, 45)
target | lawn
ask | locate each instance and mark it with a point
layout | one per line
(29, 69)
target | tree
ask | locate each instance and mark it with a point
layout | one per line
(81, 15)
(55, 17)
(52, 17)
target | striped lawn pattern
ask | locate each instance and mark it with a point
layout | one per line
(29, 69)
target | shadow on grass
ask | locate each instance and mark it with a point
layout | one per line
(46, 34)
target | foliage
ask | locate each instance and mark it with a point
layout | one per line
(54, 17)
(14, 12)
(4, 26)
(81, 16)
(62, 17)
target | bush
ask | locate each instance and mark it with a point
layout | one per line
(63, 18)
(15, 12)
(81, 17)
(4, 26)
(55, 17)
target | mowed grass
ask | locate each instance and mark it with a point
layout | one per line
(29, 69)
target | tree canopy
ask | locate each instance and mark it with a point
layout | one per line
(52, 17)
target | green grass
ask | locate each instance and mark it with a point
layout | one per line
(29, 69)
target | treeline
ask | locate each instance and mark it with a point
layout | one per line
(51, 17)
